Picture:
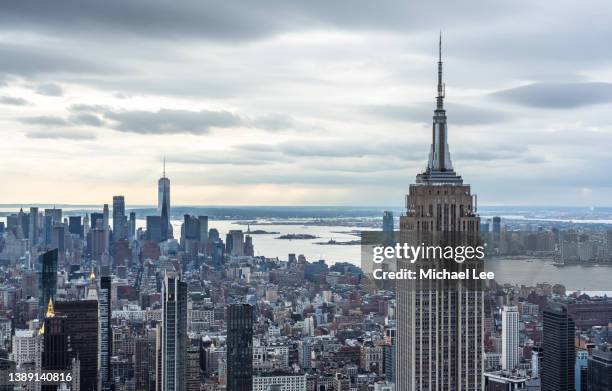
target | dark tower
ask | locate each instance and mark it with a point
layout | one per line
(239, 347)
(558, 343)
(81, 326)
(47, 281)
(106, 338)
(174, 333)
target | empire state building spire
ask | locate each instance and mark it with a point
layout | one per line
(439, 166)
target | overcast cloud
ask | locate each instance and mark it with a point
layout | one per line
(302, 102)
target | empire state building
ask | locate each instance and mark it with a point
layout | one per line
(440, 325)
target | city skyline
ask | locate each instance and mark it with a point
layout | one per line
(317, 107)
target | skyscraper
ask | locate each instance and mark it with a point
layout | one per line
(387, 221)
(510, 337)
(600, 370)
(33, 226)
(163, 204)
(558, 343)
(154, 229)
(106, 339)
(132, 226)
(119, 219)
(439, 327)
(47, 281)
(74, 226)
(239, 347)
(174, 333)
(81, 327)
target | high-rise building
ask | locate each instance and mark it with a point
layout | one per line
(558, 343)
(600, 370)
(33, 226)
(97, 220)
(105, 226)
(203, 220)
(132, 226)
(174, 333)
(163, 204)
(387, 221)
(119, 219)
(74, 226)
(239, 347)
(55, 214)
(105, 347)
(580, 370)
(81, 327)
(154, 229)
(236, 237)
(440, 331)
(510, 338)
(47, 280)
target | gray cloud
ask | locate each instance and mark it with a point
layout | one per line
(232, 19)
(166, 121)
(85, 119)
(558, 95)
(163, 121)
(61, 134)
(31, 59)
(44, 120)
(13, 101)
(49, 89)
(457, 113)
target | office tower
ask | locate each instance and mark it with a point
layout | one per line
(440, 333)
(239, 347)
(249, 250)
(74, 226)
(389, 353)
(190, 229)
(47, 280)
(174, 333)
(154, 229)
(55, 214)
(121, 253)
(558, 343)
(33, 226)
(56, 344)
(510, 338)
(23, 224)
(47, 228)
(213, 234)
(496, 231)
(106, 339)
(132, 226)
(86, 225)
(97, 220)
(536, 361)
(580, 370)
(105, 226)
(236, 237)
(599, 371)
(97, 237)
(387, 221)
(163, 204)
(24, 346)
(81, 327)
(144, 354)
(203, 220)
(193, 369)
(119, 220)
(58, 236)
(7, 370)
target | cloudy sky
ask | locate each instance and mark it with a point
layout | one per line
(302, 102)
